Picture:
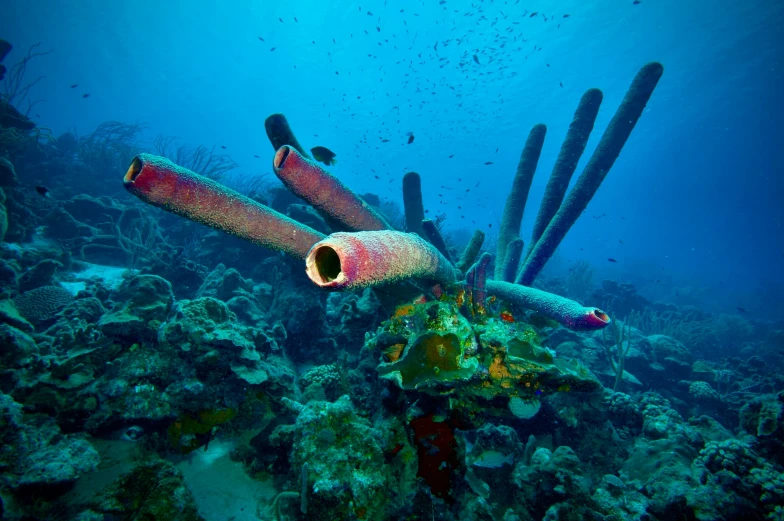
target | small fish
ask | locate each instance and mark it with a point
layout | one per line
(323, 155)
(295, 19)
(488, 162)
(566, 16)
(742, 310)
(492, 459)
(619, 240)
(637, 2)
(450, 157)
(74, 85)
(506, 317)
(281, 20)
(273, 49)
(410, 139)
(42, 191)
(260, 38)
(223, 147)
(254, 155)
(533, 14)
(561, 84)
(476, 58)
(610, 259)
(85, 95)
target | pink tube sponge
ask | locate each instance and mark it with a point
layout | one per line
(325, 192)
(352, 260)
(158, 181)
(563, 310)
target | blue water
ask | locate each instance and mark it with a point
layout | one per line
(697, 184)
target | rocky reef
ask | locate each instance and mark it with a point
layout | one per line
(136, 344)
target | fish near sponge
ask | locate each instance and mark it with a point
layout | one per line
(361, 259)
(159, 182)
(325, 192)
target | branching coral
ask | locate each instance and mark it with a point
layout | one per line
(109, 146)
(201, 159)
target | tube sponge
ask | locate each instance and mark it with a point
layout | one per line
(571, 150)
(515, 202)
(158, 181)
(563, 310)
(595, 171)
(434, 237)
(514, 250)
(279, 133)
(471, 250)
(412, 204)
(325, 192)
(353, 260)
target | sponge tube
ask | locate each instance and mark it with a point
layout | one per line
(518, 196)
(601, 161)
(279, 133)
(563, 310)
(571, 151)
(158, 181)
(325, 192)
(471, 250)
(412, 204)
(354, 260)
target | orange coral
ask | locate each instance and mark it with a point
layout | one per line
(404, 310)
(393, 352)
(497, 368)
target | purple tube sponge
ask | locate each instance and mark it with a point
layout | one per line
(279, 133)
(563, 310)
(354, 260)
(158, 181)
(602, 160)
(476, 286)
(325, 192)
(515, 203)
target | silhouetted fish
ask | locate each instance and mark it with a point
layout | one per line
(410, 139)
(85, 95)
(323, 155)
(42, 190)
(610, 259)
(741, 310)
(74, 85)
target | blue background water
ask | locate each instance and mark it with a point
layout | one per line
(695, 195)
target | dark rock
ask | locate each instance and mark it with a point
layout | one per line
(7, 173)
(144, 303)
(5, 48)
(152, 491)
(39, 275)
(19, 348)
(40, 459)
(61, 225)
